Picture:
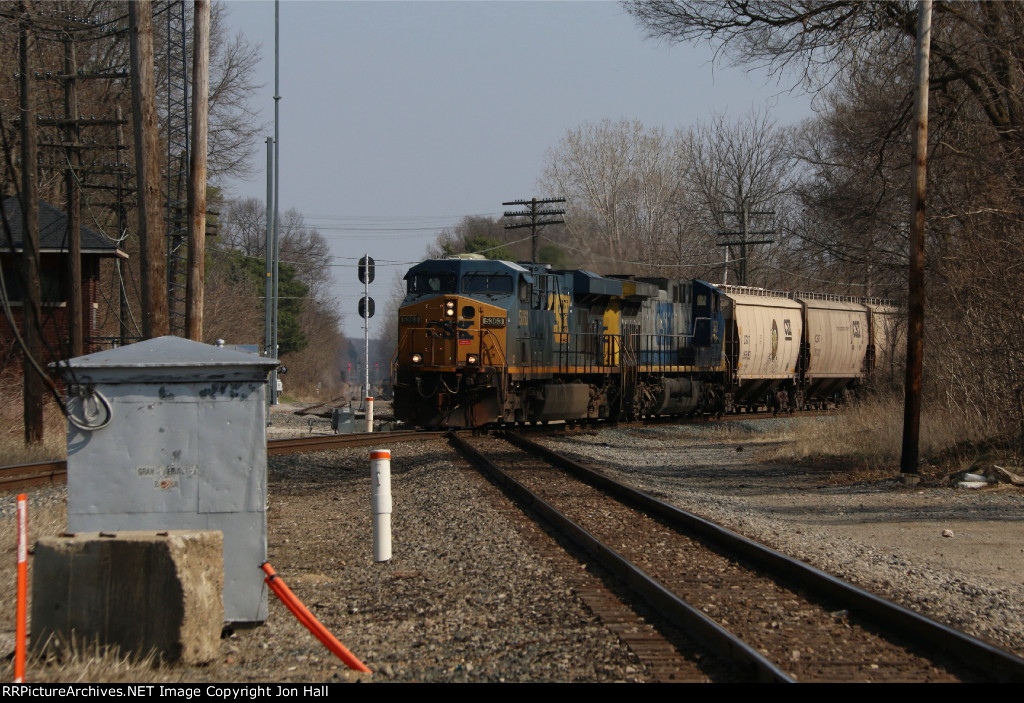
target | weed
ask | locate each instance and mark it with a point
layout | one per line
(871, 431)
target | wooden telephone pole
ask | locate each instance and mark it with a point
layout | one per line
(155, 321)
(32, 293)
(535, 216)
(197, 172)
(72, 136)
(744, 240)
(915, 311)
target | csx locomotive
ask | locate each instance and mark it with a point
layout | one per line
(482, 341)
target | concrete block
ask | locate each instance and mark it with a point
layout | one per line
(140, 591)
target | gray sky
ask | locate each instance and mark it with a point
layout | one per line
(399, 118)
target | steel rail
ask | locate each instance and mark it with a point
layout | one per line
(725, 644)
(883, 613)
(319, 443)
(315, 408)
(24, 475)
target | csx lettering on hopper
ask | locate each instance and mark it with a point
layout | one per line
(482, 341)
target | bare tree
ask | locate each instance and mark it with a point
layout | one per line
(315, 371)
(816, 40)
(389, 327)
(234, 123)
(474, 234)
(236, 295)
(737, 167)
(243, 231)
(625, 190)
(307, 250)
(233, 309)
(975, 46)
(243, 226)
(851, 194)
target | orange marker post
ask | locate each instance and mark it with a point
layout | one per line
(21, 626)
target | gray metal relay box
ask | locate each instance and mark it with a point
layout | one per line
(174, 438)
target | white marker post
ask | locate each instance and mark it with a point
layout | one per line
(380, 474)
(369, 414)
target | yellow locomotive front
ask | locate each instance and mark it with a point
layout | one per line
(450, 367)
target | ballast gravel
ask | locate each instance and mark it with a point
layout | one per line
(954, 555)
(465, 599)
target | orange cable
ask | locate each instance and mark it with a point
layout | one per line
(281, 590)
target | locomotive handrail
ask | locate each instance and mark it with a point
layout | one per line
(394, 358)
(496, 345)
(806, 295)
(660, 346)
(576, 357)
(504, 362)
(760, 292)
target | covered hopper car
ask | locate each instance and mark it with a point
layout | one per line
(482, 341)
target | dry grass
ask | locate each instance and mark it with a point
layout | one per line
(43, 521)
(93, 664)
(70, 662)
(871, 431)
(13, 449)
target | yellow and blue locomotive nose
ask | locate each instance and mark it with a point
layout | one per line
(450, 333)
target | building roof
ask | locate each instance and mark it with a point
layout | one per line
(53, 226)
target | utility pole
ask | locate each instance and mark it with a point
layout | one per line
(276, 244)
(71, 145)
(744, 239)
(124, 312)
(72, 136)
(534, 214)
(197, 172)
(268, 286)
(154, 259)
(915, 312)
(32, 294)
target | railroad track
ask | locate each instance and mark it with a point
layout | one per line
(319, 443)
(18, 476)
(770, 617)
(27, 475)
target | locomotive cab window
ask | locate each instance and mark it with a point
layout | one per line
(431, 283)
(487, 283)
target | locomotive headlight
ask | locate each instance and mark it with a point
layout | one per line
(417, 358)
(449, 308)
(472, 359)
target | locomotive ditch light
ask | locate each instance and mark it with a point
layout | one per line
(417, 358)
(472, 359)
